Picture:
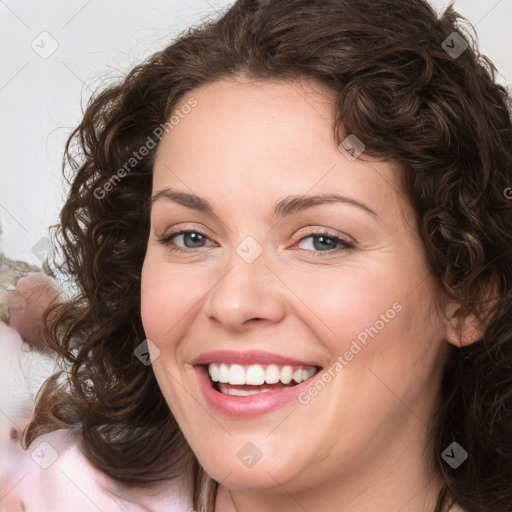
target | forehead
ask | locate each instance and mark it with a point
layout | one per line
(266, 138)
(248, 114)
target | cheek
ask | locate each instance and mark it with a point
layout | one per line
(167, 294)
(374, 316)
(343, 304)
(153, 320)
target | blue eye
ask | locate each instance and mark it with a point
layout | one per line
(326, 242)
(323, 242)
(194, 237)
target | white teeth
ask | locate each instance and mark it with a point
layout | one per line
(286, 374)
(309, 373)
(256, 374)
(214, 372)
(237, 392)
(223, 388)
(272, 374)
(223, 373)
(236, 374)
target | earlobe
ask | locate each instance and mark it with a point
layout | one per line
(462, 328)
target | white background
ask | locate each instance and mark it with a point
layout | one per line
(40, 99)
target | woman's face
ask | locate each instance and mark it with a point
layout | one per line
(262, 282)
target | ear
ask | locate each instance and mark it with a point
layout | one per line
(462, 328)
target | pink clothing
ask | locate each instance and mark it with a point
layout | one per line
(54, 476)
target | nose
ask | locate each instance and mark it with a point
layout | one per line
(247, 293)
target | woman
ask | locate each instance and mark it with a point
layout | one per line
(292, 242)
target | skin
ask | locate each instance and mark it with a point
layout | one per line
(359, 445)
(27, 304)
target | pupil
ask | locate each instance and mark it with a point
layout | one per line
(320, 246)
(195, 238)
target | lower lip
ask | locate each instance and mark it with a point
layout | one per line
(248, 406)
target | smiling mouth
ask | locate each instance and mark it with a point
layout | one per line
(239, 380)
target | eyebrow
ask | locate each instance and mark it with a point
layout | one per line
(285, 207)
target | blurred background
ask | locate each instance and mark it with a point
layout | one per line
(54, 54)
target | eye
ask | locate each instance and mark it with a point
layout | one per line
(326, 241)
(323, 241)
(191, 239)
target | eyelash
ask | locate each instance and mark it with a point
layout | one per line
(345, 245)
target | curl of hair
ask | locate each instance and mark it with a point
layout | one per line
(444, 119)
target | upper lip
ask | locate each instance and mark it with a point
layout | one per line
(248, 357)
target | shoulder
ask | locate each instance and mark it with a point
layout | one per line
(68, 478)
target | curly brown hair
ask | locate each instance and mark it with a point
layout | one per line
(408, 99)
